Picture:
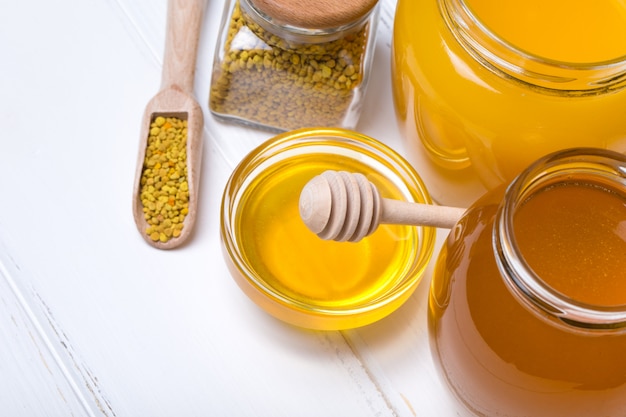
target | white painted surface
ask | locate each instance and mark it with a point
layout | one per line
(95, 322)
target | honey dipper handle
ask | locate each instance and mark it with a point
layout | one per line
(184, 20)
(402, 212)
(345, 206)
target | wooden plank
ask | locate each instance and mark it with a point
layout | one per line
(155, 333)
(33, 344)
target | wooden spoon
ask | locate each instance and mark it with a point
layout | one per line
(175, 99)
(345, 206)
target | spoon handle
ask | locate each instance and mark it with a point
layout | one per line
(416, 214)
(184, 20)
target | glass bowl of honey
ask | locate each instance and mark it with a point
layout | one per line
(289, 271)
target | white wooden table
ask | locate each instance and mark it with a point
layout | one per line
(93, 321)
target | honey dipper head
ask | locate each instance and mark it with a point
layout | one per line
(340, 206)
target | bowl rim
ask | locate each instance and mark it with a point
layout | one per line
(330, 137)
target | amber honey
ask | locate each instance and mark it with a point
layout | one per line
(503, 352)
(292, 273)
(574, 236)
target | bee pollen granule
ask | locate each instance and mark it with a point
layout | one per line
(164, 189)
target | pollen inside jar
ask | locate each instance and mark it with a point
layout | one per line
(284, 65)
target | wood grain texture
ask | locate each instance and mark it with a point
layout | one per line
(159, 333)
(345, 206)
(34, 344)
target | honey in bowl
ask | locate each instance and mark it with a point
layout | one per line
(288, 270)
(298, 263)
(527, 309)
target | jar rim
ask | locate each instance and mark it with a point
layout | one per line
(540, 73)
(518, 275)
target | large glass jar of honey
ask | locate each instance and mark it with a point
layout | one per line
(484, 88)
(527, 309)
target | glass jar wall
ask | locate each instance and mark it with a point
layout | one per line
(482, 89)
(527, 308)
(288, 64)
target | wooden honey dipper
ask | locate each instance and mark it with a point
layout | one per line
(343, 206)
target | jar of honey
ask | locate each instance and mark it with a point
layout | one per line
(484, 88)
(527, 308)
(285, 64)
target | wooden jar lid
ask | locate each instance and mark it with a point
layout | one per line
(314, 14)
